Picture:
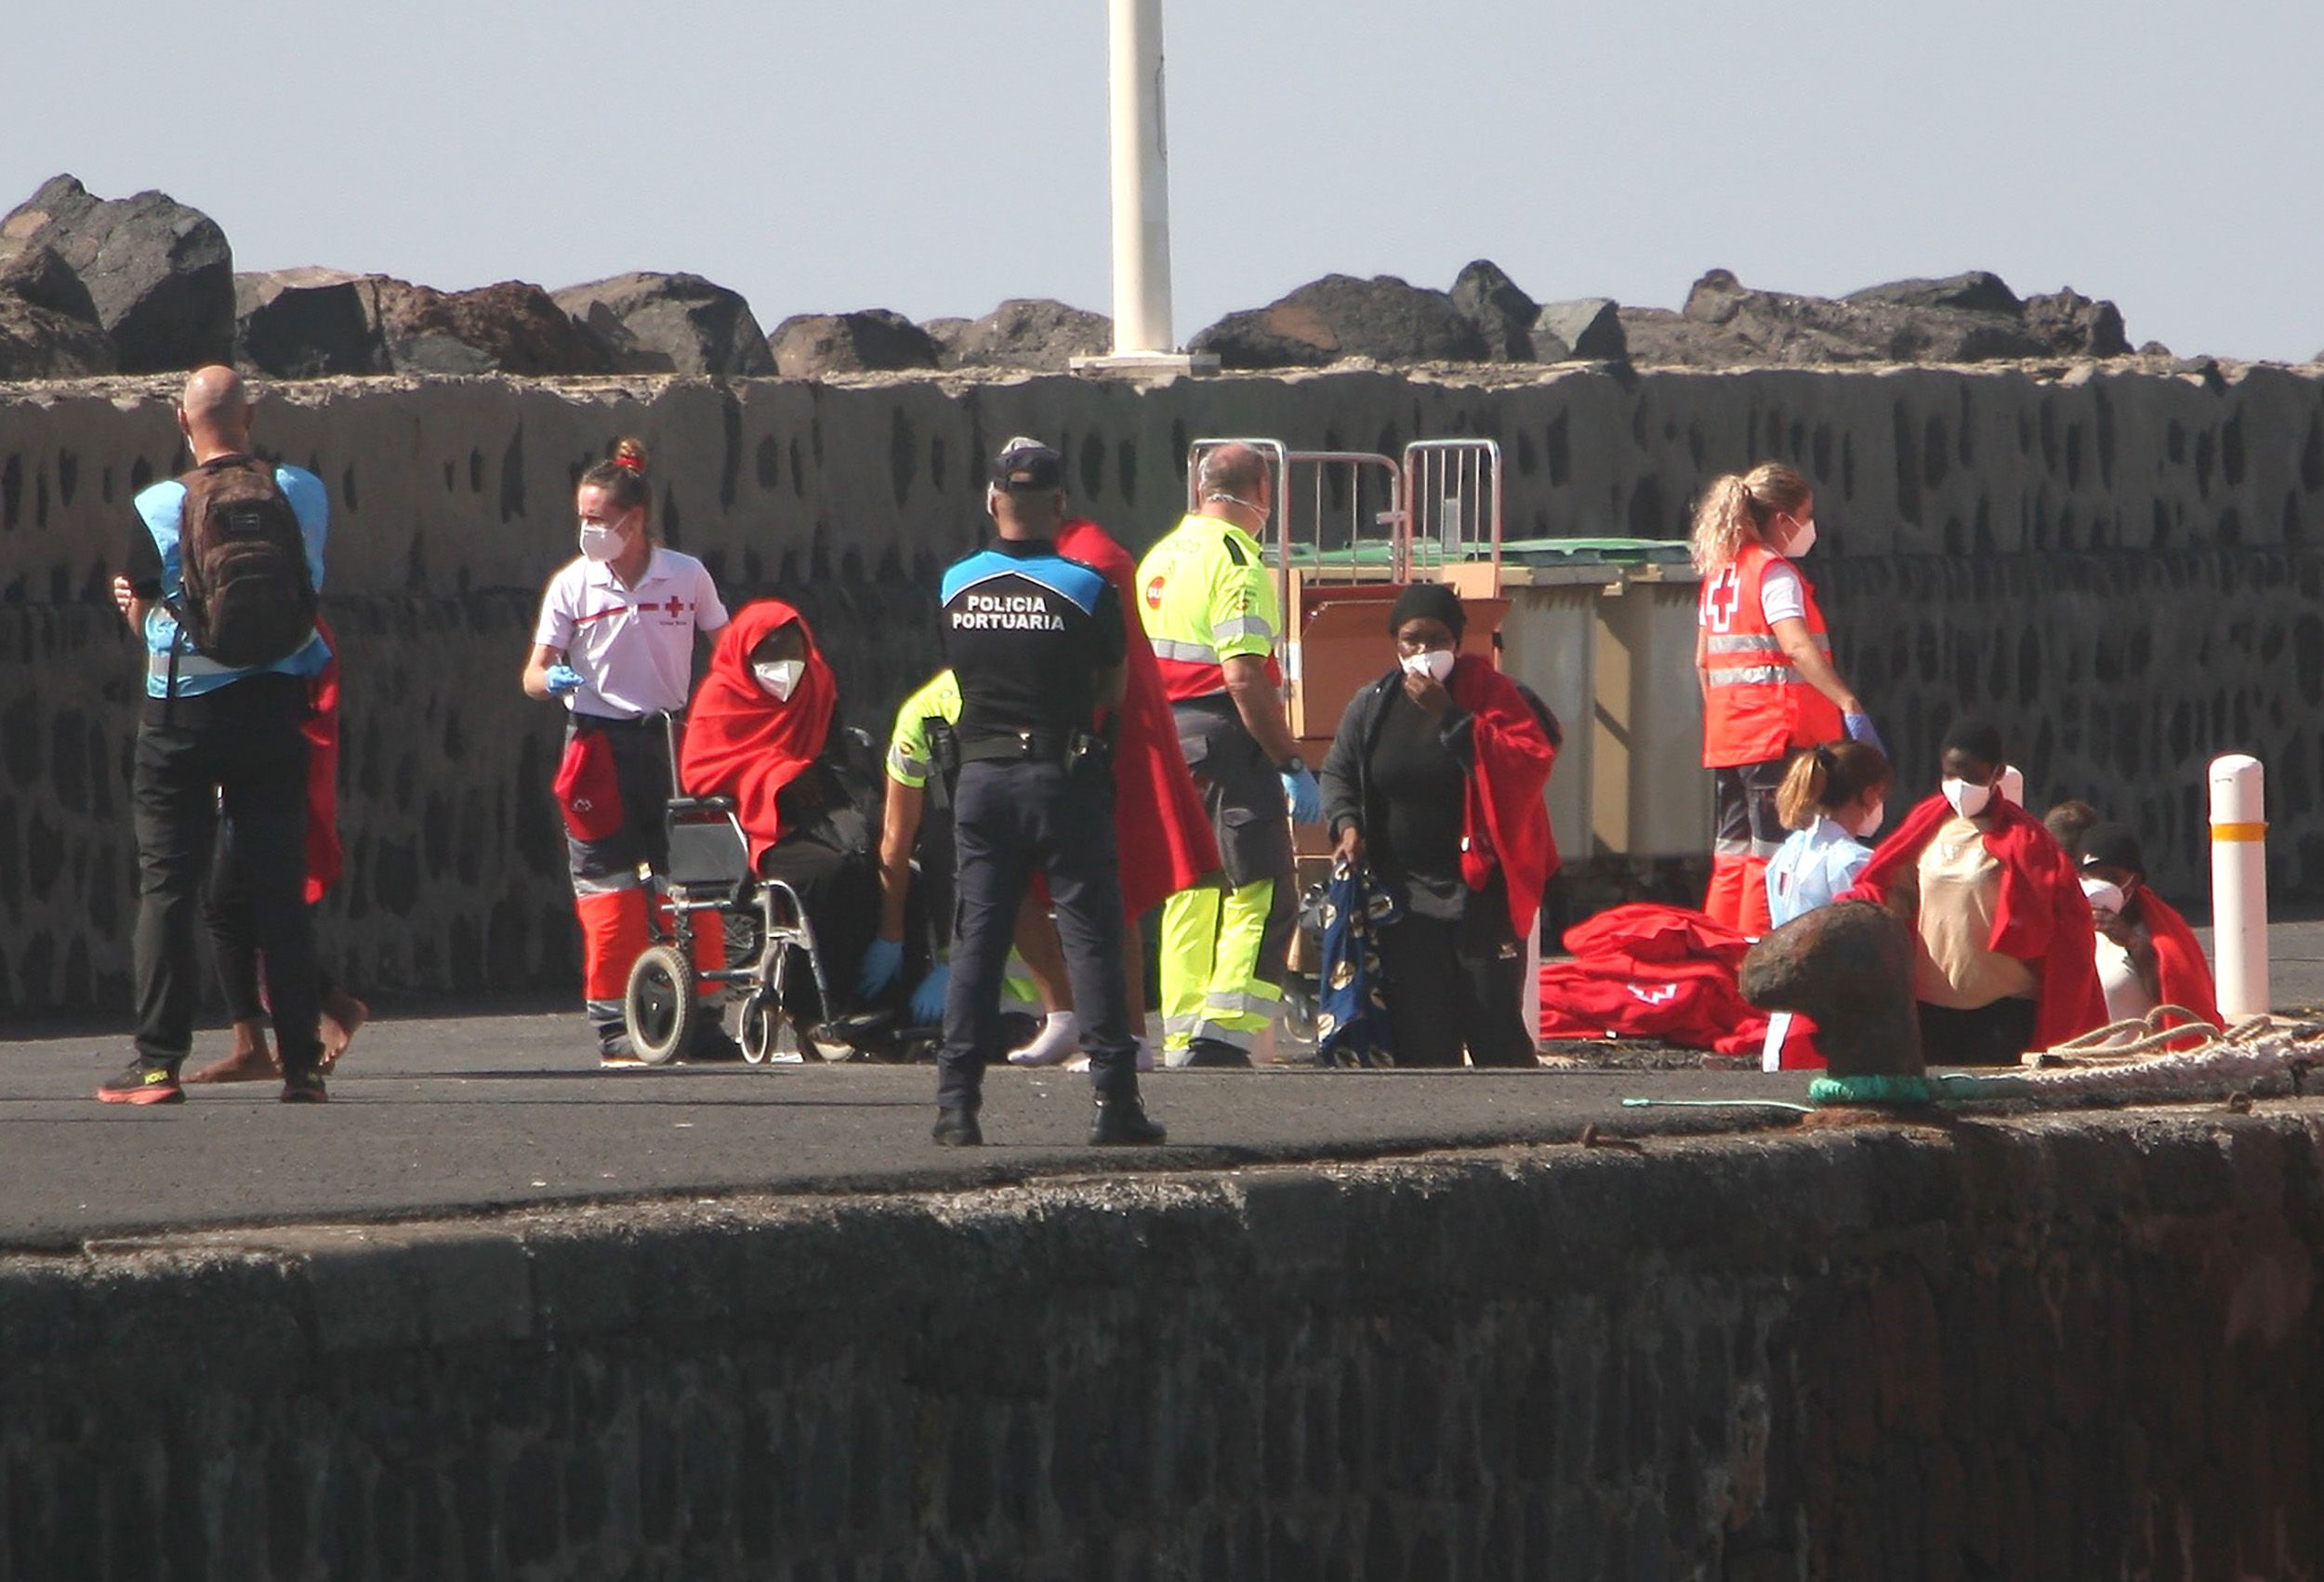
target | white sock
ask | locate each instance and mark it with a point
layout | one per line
(1053, 1043)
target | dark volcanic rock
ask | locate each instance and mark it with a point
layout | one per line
(2073, 325)
(1024, 332)
(1588, 329)
(304, 322)
(1849, 966)
(1385, 319)
(38, 343)
(1966, 318)
(158, 274)
(512, 327)
(1502, 313)
(807, 345)
(1977, 292)
(38, 274)
(670, 324)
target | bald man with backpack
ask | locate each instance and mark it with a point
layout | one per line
(224, 566)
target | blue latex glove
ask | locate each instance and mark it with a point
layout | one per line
(561, 678)
(1306, 797)
(882, 960)
(1860, 728)
(928, 1000)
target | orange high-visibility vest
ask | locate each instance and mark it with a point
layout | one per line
(1758, 708)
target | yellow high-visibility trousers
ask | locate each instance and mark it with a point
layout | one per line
(1213, 946)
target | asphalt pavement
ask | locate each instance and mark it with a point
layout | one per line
(437, 1115)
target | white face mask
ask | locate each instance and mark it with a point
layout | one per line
(599, 542)
(2101, 894)
(1968, 800)
(779, 675)
(1434, 662)
(1803, 540)
(1869, 825)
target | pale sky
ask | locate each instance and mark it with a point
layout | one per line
(935, 156)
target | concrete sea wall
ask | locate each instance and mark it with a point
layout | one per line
(2123, 569)
(2025, 1348)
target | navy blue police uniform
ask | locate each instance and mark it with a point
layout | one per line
(1029, 635)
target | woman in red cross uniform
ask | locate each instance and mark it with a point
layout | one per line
(1764, 659)
(615, 645)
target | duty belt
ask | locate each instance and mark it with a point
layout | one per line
(609, 722)
(1017, 746)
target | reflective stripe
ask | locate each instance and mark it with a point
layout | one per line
(1729, 845)
(906, 768)
(1258, 1000)
(1242, 626)
(1757, 675)
(1233, 1036)
(1184, 652)
(1744, 642)
(607, 883)
(1176, 1024)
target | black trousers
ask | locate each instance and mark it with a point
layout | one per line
(1991, 1034)
(234, 753)
(1009, 818)
(841, 892)
(1454, 984)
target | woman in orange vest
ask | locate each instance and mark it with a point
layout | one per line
(1764, 662)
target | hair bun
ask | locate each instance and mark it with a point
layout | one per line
(630, 455)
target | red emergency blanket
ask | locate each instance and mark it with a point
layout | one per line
(1160, 829)
(1649, 971)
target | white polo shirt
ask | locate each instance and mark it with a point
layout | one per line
(633, 646)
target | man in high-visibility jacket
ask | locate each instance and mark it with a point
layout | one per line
(1210, 611)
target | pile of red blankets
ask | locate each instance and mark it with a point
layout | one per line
(1660, 972)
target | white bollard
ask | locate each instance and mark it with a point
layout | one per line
(2238, 885)
(1142, 181)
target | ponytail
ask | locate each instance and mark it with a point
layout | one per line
(622, 477)
(1736, 506)
(1826, 779)
(1801, 797)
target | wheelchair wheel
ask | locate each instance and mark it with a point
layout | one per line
(659, 1007)
(761, 1019)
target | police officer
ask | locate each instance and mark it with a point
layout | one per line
(1209, 608)
(1036, 642)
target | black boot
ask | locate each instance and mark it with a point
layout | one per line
(1124, 1121)
(957, 1129)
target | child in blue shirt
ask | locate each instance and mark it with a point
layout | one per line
(1833, 799)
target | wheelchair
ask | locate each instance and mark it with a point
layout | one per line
(709, 870)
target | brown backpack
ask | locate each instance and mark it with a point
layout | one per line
(247, 600)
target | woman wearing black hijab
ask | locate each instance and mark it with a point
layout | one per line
(1434, 780)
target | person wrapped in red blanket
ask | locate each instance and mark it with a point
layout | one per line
(2148, 957)
(760, 729)
(2004, 959)
(1434, 779)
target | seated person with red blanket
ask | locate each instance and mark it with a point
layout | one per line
(2003, 960)
(2148, 957)
(763, 729)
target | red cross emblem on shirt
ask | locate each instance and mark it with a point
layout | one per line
(676, 607)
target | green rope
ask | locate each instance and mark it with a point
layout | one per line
(1946, 1087)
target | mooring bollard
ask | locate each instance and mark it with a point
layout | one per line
(2239, 884)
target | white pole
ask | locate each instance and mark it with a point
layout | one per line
(1142, 185)
(2238, 885)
